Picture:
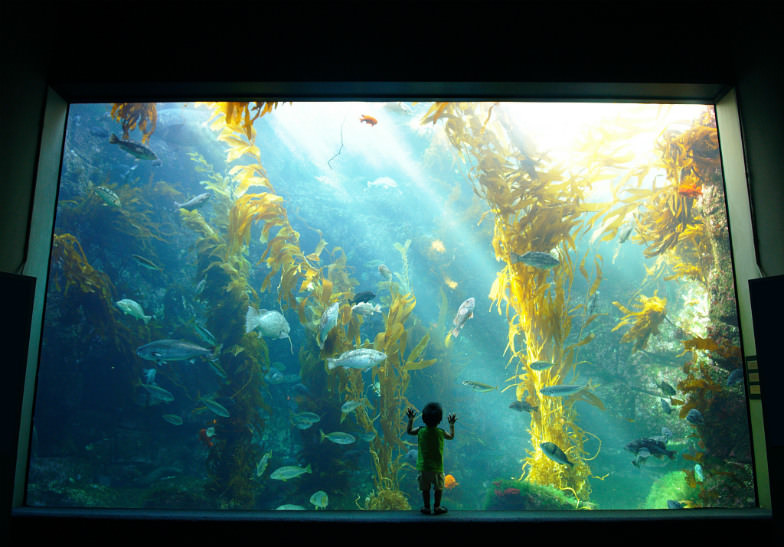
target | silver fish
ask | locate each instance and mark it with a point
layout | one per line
(537, 259)
(159, 393)
(194, 203)
(361, 359)
(338, 437)
(270, 323)
(541, 365)
(464, 313)
(554, 453)
(162, 351)
(215, 407)
(328, 321)
(479, 386)
(562, 390)
(133, 308)
(289, 472)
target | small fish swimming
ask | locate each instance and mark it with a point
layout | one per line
(561, 390)
(642, 455)
(215, 407)
(304, 420)
(261, 466)
(370, 120)
(666, 388)
(289, 472)
(464, 313)
(350, 406)
(145, 262)
(289, 507)
(735, 377)
(162, 351)
(135, 149)
(654, 446)
(699, 475)
(554, 453)
(327, 322)
(338, 437)
(159, 393)
(450, 482)
(695, 417)
(173, 419)
(536, 259)
(385, 272)
(672, 504)
(194, 203)
(108, 196)
(368, 436)
(366, 308)
(364, 296)
(319, 499)
(665, 406)
(479, 386)
(149, 375)
(133, 308)
(541, 365)
(270, 323)
(361, 359)
(521, 406)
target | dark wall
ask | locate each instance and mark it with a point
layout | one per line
(167, 42)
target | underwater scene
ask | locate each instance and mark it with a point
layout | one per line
(245, 298)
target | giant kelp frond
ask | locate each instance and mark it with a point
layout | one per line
(143, 116)
(239, 116)
(68, 255)
(644, 322)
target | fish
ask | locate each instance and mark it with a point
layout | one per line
(666, 388)
(173, 419)
(204, 334)
(625, 232)
(337, 437)
(149, 375)
(261, 466)
(319, 499)
(672, 504)
(554, 453)
(327, 322)
(361, 359)
(655, 447)
(289, 507)
(464, 313)
(162, 351)
(665, 406)
(289, 472)
(479, 386)
(382, 182)
(370, 120)
(695, 417)
(215, 407)
(145, 262)
(561, 390)
(385, 272)
(206, 435)
(541, 365)
(195, 202)
(135, 149)
(736, 376)
(301, 421)
(270, 323)
(450, 482)
(274, 376)
(159, 393)
(699, 475)
(350, 406)
(108, 196)
(364, 296)
(366, 308)
(368, 436)
(521, 406)
(537, 259)
(133, 308)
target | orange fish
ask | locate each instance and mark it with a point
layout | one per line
(690, 190)
(370, 120)
(450, 482)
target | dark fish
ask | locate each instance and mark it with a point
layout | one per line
(666, 388)
(133, 148)
(655, 447)
(695, 417)
(537, 259)
(364, 296)
(672, 504)
(735, 377)
(521, 406)
(665, 406)
(171, 350)
(145, 262)
(554, 453)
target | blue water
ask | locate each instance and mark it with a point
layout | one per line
(99, 441)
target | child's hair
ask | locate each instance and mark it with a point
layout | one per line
(432, 414)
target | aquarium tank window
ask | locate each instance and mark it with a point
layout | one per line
(245, 298)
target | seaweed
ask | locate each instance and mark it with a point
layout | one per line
(143, 116)
(644, 322)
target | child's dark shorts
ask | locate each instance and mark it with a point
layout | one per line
(426, 478)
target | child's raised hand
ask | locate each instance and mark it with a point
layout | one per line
(452, 418)
(410, 412)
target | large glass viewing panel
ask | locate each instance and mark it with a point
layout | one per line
(244, 299)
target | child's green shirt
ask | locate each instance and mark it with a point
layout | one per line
(430, 454)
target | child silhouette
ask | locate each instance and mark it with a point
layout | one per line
(430, 453)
